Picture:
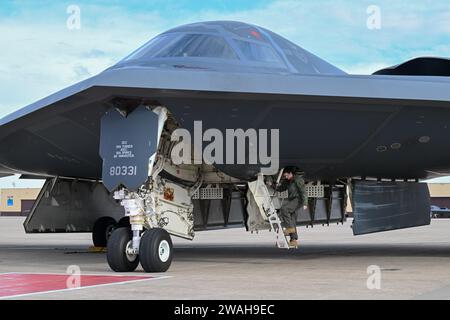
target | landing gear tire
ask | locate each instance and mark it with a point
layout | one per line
(118, 258)
(102, 231)
(155, 251)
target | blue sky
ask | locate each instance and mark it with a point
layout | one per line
(40, 55)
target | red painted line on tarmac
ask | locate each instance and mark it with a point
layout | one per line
(18, 284)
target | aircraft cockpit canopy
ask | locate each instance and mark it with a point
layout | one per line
(222, 45)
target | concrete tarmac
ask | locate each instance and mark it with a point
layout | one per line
(231, 264)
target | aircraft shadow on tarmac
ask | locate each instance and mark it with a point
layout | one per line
(259, 255)
(224, 253)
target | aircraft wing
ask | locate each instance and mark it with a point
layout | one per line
(59, 135)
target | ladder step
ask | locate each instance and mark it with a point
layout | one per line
(266, 208)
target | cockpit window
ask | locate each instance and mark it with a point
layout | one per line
(198, 45)
(153, 46)
(297, 57)
(185, 45)
(245, 31)
(257, 52)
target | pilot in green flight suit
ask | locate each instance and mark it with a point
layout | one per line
(297, 198)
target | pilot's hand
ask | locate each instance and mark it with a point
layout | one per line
(305, 207)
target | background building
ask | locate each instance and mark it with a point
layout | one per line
(440, 194)
(17, 201)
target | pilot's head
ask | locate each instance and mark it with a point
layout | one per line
(288, 173)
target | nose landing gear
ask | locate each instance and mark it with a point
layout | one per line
(134, 149)
(155, 251)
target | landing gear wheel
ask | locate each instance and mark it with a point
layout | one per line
(155, 251)
(118, 258)
(102, 231)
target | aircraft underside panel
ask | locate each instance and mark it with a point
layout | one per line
(382, 206)
(66, 205)
(231, 211)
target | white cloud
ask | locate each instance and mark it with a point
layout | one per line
(42, 58)
(15, 182)
(366, 68)
(439, 180)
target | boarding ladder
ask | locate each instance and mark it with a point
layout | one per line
(263, 201)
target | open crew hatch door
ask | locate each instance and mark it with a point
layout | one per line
(382, 206)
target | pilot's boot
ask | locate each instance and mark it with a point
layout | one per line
(293, 244)
(289, 231)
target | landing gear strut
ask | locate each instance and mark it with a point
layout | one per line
(151, 218)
